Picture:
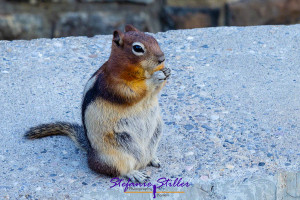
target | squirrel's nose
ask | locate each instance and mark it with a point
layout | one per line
(161, 59)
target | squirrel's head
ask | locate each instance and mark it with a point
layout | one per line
(135, 49)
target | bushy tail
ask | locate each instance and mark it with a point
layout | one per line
(74, 131)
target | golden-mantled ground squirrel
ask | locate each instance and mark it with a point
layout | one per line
(120, 111)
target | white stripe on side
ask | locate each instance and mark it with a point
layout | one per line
(89, 85)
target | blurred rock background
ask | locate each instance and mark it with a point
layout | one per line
(28, 19)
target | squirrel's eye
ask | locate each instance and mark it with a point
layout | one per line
(138, 48)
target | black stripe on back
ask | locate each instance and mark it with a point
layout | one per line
(89, 97)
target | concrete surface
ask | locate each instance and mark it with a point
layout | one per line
(231, 113)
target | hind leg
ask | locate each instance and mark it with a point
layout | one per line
(99, 165)
(119, 164)
(154, 144)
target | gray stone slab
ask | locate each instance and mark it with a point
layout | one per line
(231, 113)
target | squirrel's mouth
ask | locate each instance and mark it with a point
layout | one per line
(159, 67)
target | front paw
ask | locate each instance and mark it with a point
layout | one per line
(162, 75)
(167, 72)
(155, 162)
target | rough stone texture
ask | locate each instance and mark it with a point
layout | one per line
(231, 113)
(28, 19)
(187, 18)
(262, 12)
(199, 3)
(85, 1)
(121, 1)
(23, 26)
(289, 187)
(90, 24)
(73, 18)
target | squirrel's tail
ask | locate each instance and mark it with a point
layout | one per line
(74, 131)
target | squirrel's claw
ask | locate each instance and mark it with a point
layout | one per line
(155, 162)
(162, 75)
(137, 176)
(167, 72)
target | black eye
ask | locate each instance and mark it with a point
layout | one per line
(138, 48)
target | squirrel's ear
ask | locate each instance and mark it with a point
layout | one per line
(118, 38)
(129, 27)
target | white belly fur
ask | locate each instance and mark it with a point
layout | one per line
(101, 117)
